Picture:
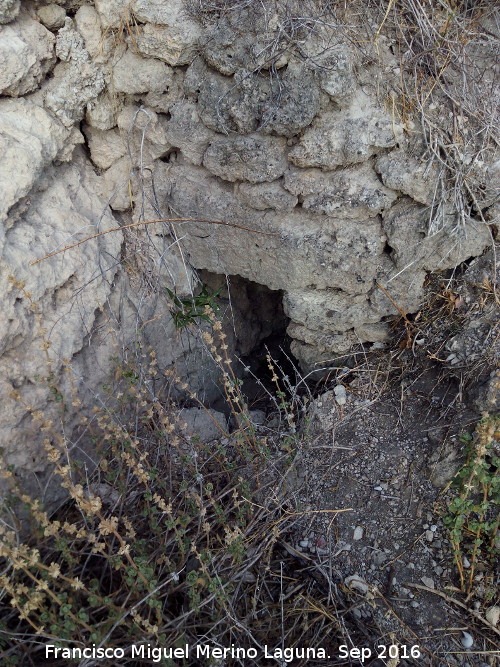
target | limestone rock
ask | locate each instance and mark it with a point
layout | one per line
(328, 310)
(26, 54)
(68, 288)
(169, 33)
(334, 72)
(226, 104)
(114, 13)
(29, 140)
(75, 138)
(102, 111)
(106, 147)
(145, 132)
(162, 102)
(52, 16)
(88, 24)
(255, 158)
(250, 101)
(406, 226)
(76, 80)
(266, 195)
(225, 50)
(335, 139)
(293, 101)
(114, 185)
(176, 43)
(134, 74)
(186, 132)
(402, 172)
(299, 249)
(204, 424)
(350, 193)
(9, 9)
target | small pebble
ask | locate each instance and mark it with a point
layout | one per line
(467, 640)
(340, 394)
(427, 581)
(358, 533)
(429, 535)
(356, 582)
(304, 543)
(466, 562)
(493, 615)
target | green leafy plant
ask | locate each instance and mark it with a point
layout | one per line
(474, 512)
(190, 311)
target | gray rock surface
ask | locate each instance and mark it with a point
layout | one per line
(134, 74)
(351, 193)
(76, 80)
(26, 53)
(9, 9)
(255, 158)
(204, 424)
(52, 16)
(410, 176)
(30, 138)
(336, 139)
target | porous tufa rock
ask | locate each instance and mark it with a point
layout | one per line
(405, 173)
(169, 33)
(351, 193)
(262, 196)
(334, 139)
(99, 45)
(255, 158)
(9, 9)
(186, 131)
(76, 79)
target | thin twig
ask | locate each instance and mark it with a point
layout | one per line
(150, 222)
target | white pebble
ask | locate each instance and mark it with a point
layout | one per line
(356, 582)
(467, 640)
(340, 394)
(304, 543)
(358, 533)
(493, 615)
(427, 581)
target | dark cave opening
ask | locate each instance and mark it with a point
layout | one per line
(256, 325)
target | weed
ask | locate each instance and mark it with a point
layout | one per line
(473, 515)
(191, 311)
(170, 540)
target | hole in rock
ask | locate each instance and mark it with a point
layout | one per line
(255, 324)
(170, 157)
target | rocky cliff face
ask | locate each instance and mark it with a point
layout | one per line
(294, 135)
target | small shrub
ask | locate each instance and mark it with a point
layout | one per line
(170, 541)
(473, 515)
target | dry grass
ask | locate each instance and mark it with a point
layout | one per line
(169, 541)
